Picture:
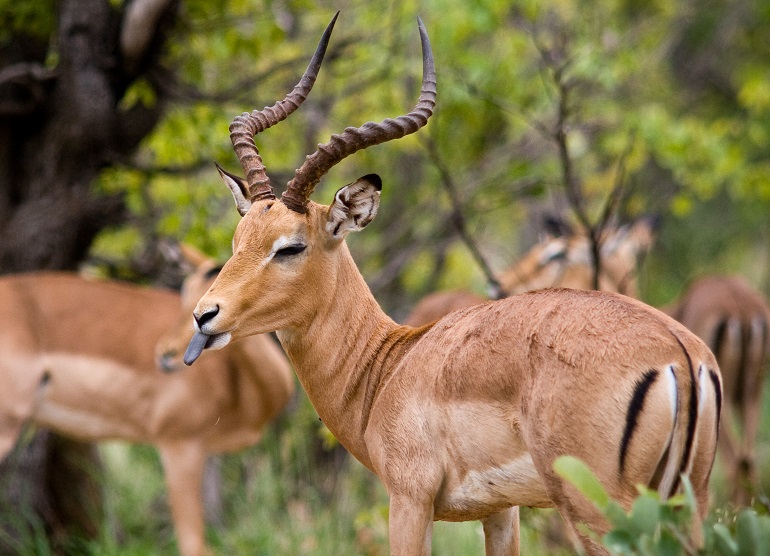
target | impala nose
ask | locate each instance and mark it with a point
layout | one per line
(206, 317)
(166, 361)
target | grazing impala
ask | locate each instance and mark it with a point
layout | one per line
(463, 419)
(79, 359)
(561, 259)
(734, 320)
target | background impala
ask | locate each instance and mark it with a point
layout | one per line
(461, 420)
(81, 362)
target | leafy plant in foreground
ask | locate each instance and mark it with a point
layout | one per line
(655, 527)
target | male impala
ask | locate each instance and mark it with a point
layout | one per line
(734, 320)
(724, 311)
(561, 259)
(77, 357)
(463, 419)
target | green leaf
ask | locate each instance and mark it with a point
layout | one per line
(645, 515)
(668, 544)
(577, 472)
(617, 516)
(619, 542)
(723, 541)
(747, 533)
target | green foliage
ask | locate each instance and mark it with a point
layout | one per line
(37, 19)
(655, 527)
(630, 112)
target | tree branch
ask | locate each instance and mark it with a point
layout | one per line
(457, 220)
(23, 88)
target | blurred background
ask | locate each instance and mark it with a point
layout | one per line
(112, 114)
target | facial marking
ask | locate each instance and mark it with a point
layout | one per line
(551, 251)
(278, 244)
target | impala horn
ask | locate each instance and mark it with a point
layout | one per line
(246, 126)
(354, 139)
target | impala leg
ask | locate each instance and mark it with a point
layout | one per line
(731, 446)
(501, 533)
(747, 471)
(410, 526)
(10, 428)
(183, 464)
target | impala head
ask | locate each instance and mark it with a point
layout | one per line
(201, 273)
(562, 258)
(286, 251)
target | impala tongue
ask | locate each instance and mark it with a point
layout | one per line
(195, 347)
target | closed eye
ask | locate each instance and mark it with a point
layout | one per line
(290, 250)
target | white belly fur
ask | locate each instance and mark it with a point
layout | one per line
(487, 491)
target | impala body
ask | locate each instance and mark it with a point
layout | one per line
(462, 419)
(724, 311)
(734, 320)
(79, 359)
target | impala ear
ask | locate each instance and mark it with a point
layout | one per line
(354, 206)
(554, 226)
(193, 256)
(187, 257)
(239, 188)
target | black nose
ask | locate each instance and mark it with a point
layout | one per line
(205, 317)
(167, 361)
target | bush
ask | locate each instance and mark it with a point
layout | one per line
(657, 527)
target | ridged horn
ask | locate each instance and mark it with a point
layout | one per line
(247, 125)
(354, 139)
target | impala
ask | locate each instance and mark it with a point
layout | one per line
(462, 419)
(561, 259)
(79, 360)
(734, 320)
(724, 311)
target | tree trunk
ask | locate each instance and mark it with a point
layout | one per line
(59, 128)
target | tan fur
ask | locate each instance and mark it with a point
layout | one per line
(77, 357)
(734, 320)
(556, 261)
(463, 419)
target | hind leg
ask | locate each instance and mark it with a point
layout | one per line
(10, 428)
(24, 381)
(501, 533)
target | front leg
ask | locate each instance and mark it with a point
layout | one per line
(501, 533)
(183, 464)
(410, 525)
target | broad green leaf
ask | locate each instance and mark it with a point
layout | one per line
(645, 515)
(577, 472)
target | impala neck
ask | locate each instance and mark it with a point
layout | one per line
(344, 353)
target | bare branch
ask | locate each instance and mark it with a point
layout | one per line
(617, 193)
(458, 221)
(174, 170)
(23, 88)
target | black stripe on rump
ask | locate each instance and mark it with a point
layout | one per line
(718, 338)
(740, 381)
(635, 407)
(692, 415)
(718, 391)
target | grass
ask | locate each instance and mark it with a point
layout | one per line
(279, 499)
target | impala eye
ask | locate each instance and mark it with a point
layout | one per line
(290, 250)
